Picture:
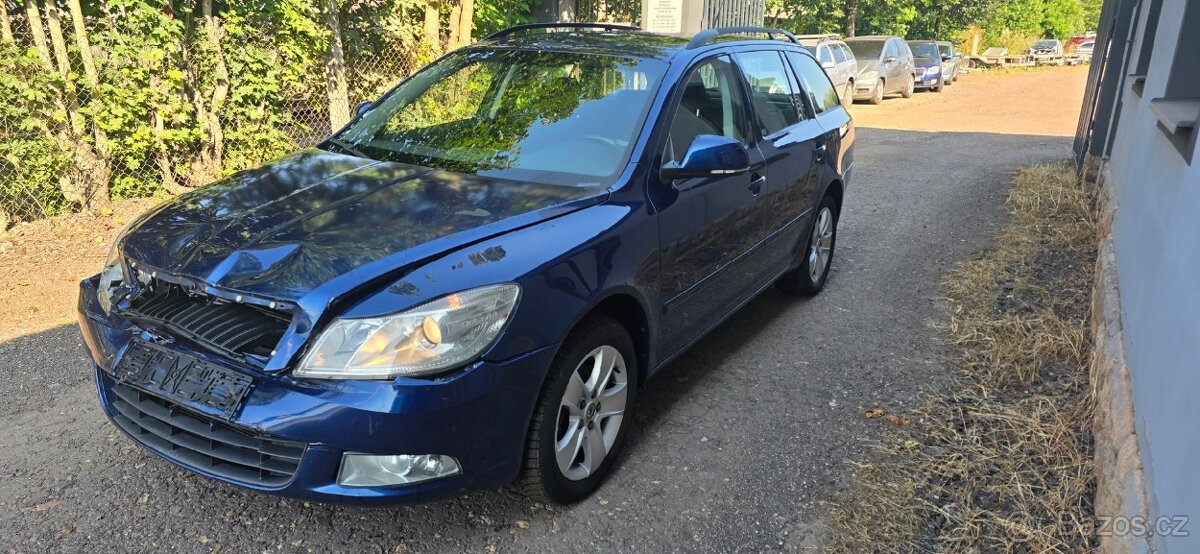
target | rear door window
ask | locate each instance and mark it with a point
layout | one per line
(771, 90)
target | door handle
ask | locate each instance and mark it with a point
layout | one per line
(756, 183)
(819, 152)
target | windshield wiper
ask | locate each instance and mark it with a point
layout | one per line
(347, 147)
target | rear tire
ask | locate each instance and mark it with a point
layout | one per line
(876, 93)
(810, 277)
(583, 415)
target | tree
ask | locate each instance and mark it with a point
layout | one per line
(6, 33)
(335, 69)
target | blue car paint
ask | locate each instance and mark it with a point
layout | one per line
(638, 244)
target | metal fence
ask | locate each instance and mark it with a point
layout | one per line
(113, 99)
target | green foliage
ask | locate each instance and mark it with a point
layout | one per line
(491, 16)
(30, 158)
(1009, 23)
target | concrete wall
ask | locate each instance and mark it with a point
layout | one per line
(1156, 238)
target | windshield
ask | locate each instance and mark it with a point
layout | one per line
(1045, 44)
(866, 49)
(547, 117)
(924, 49)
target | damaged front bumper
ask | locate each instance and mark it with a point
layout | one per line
(288, 436)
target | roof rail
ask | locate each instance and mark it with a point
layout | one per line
(706, 35)
(532, 26)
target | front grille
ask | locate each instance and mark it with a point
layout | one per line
(230, 329)
(920, 72)
(203, 442)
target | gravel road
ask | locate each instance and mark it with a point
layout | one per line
(735, 445)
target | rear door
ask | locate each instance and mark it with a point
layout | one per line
(789, 136)
(709, 228)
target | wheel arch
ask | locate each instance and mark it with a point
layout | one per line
(628, 309)
(836, 189)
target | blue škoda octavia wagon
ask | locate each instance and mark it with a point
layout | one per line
(466, 286)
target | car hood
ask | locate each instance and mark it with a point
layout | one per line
(317, 219)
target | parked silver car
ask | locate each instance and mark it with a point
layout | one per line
(837, 60)
(885, 65)
(952, 61)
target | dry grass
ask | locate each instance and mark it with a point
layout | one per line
(1002, 462)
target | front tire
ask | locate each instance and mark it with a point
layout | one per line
(810, 277)
(910, 88)
(583, 415)
(848, 95)
(877, 93)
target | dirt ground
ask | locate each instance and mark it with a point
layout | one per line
(735, 447)
(1018, 101)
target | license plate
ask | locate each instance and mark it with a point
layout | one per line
(182, 377)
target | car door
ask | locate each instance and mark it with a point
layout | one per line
(790, 137)
(908, 64)
(709, 228)
(890, 67)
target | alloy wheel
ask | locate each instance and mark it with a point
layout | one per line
(590, 412)
(821, 245)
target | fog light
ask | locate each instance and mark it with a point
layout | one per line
(367, 470)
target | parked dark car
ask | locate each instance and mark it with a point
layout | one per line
(885, 66)
(467, 286)
(952, 61)
(927, 58)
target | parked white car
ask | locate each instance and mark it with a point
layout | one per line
(837, 60)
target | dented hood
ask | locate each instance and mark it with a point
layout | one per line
(317, 219)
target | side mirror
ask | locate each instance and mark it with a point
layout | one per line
(363, 107)
(945, 57)
(828, 65)
(708, 156)
(889, 59)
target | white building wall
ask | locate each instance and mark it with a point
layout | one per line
(1156, 233)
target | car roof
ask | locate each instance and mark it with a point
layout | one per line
(624, 43)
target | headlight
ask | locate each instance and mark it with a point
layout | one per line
(934, 69)
(432, 337)
(868, 76)
(111, 276)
